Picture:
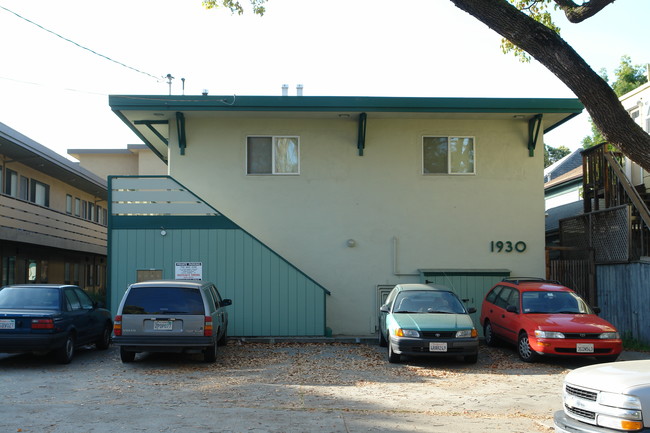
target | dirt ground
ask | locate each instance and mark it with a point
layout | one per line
(287, 387)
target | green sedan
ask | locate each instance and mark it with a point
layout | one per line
(427, 320)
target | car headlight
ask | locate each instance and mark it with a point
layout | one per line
(548, 334)
(466, 333)
(619, 400)
(610, 336)
(399, 332)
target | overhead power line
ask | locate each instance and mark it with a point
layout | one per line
(157, 78)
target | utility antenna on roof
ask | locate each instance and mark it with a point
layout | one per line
(169, 81)
(183, 80)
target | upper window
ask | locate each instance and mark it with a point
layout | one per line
(68, 204)
(273, 155)
(40, 193)
(11, 183)
(448, 155)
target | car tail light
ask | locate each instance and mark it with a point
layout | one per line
(42, 324)
(207, 327)
(117, 326)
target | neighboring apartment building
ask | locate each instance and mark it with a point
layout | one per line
(53, 217)
(136, 159)
(306, 211)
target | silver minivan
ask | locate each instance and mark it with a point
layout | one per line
(183, 316)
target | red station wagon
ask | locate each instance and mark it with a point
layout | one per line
(545, 318)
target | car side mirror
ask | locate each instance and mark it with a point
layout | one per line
(596, 310)
(512, 309)
(226, 302)
(384, 309)
(471, 310)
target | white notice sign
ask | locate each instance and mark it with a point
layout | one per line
(189, 271)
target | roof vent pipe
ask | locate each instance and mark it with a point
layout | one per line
(299, 90)
(285, 90)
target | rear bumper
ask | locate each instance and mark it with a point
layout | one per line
(163, 344)
(16, 343)
(420, 346)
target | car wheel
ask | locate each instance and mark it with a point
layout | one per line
(66, 352)
(392, 356)
(382, 340)
(471, 359)
(210, 353)
(126, 355)
(523, 348)
(490, 340)
(104, 340)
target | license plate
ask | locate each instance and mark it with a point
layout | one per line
(437, 347)
(162, 325)
(585, 348)
(7, 324)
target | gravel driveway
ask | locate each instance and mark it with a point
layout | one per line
(286, 387)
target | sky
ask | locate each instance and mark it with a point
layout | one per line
(55, 90)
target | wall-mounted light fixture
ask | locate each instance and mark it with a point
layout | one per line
(163, 232)
(351, 243)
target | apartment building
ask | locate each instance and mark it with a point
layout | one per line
(53, 216)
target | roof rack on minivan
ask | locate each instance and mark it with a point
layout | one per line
(518, 280)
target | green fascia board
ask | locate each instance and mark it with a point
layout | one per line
(464, 272)
(571, 106)
(137, 222)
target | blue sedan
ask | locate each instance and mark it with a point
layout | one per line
(427, 320)
(51, 318)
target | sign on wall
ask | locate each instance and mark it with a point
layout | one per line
(188, 271)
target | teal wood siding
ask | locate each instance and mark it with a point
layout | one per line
(271, 297)
(470, 284)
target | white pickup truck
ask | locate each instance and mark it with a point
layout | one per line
(606, 398)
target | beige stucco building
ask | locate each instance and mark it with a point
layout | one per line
(53, 217)
(359, 194)
(136, 159)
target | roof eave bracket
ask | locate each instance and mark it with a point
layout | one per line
(361, 136)
(149, 124)
(180, 127)
(534, 126)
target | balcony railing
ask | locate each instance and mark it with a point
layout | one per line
(23, 221)
(616, 217)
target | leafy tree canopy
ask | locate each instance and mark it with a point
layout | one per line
(628, 78)
(554, 154)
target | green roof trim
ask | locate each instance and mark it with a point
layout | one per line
(345, 103)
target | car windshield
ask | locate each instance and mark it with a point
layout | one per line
(29, 298)
(163, 300)
(428, 302)
(553, 303)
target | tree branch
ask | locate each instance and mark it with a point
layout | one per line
(577, 13)
(560, 58)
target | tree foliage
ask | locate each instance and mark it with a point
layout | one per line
(554, 154)
(628, 78)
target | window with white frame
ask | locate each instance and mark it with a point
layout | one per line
(448, 155)
(272, 155)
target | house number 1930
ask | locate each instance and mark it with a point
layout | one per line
(507, 246)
